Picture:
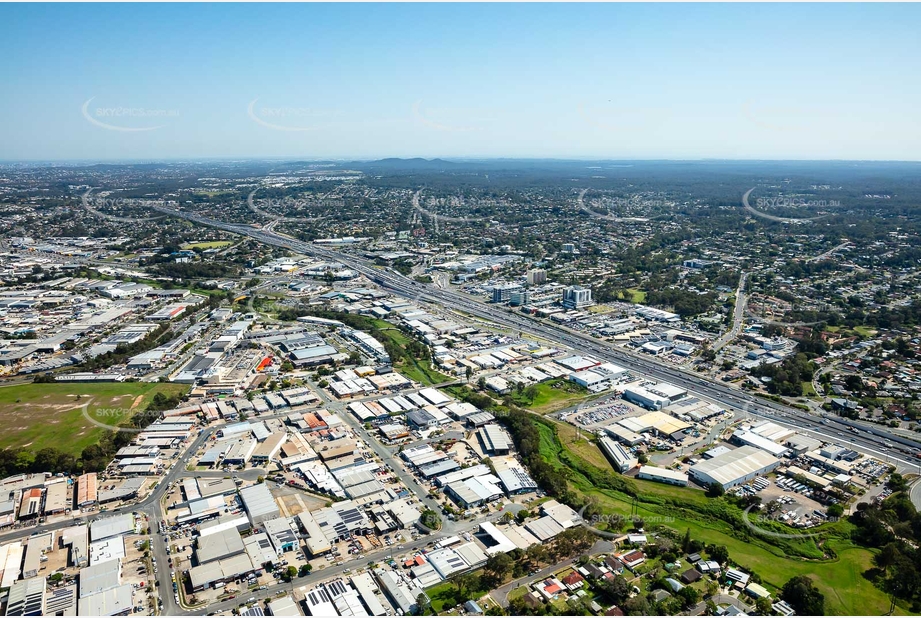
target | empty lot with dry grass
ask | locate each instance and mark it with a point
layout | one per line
(36, 416)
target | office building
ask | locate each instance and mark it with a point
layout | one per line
(577, 297)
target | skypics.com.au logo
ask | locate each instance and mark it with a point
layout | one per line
(794, 202)
(777, 202)
(127, 119)
(288, 117)
(93, 204)
(123, 420)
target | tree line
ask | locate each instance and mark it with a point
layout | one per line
(893, 526)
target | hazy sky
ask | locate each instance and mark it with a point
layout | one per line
(816, 81)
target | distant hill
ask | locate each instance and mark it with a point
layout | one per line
(416, 163)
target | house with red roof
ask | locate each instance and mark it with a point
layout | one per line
(574, 580)
(549, 588)
(632, 559)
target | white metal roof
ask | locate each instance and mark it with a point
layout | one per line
(729, 467)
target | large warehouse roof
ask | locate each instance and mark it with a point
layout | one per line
(258, 501)
(619, 456)
(544, 528)
(112, 602)
(728, 468)
(111, 526)
(100, 577)
(502, 543)
(494, 438)
(752, 439)
(664, 423)
(662, 474)
(220, 545)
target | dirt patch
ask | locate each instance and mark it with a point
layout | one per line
(292, 504)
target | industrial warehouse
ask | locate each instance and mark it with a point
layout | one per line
(734, 467)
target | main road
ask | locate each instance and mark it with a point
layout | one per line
(737, 316)
(871, 438)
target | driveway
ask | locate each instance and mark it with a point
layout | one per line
(726, 599)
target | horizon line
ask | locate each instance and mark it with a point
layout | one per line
(447, 159)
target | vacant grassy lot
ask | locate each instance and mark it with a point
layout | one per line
(214, 244)
(445, 594)
(582, 446)
(639, 296)
(412, 368)
(552, 396)
(36, 416)
(861, 331)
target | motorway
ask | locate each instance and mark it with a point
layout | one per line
(873, 439)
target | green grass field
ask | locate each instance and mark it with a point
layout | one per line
(582, 447)
(841, 580)
(36, 416)
(515, 593)
(214, 244)
(860, 331)
(422, 373)
(552, 396)
(639, 296)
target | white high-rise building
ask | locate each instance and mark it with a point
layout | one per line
(577, 297)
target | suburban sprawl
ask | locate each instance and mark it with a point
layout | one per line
(424, 387)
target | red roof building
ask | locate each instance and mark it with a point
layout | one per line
(573, 579)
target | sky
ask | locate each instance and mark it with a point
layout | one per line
(360, 81)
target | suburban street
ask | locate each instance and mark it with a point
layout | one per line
(500, 594)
